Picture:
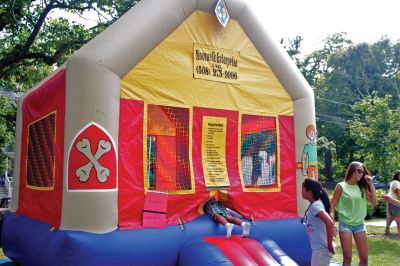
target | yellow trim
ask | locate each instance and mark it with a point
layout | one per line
(40, 188)
(145, 159)
(54, 153)
(200, 208)
(213, 192)
(278, 160)
(193, 184)
(217, 141)
(239, 133)
(223, 195)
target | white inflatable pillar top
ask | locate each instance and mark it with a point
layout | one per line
(93, 92)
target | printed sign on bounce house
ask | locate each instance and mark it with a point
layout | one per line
(92, 160)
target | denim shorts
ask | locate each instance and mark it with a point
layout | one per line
(394, 210)
(351, 229)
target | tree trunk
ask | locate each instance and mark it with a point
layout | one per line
(330, 183)
(328, 166)
(351, 157)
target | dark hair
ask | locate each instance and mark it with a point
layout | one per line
(318, 192)
(362, 184)
(397, 175)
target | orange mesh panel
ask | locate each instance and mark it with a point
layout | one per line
(168, 165)
(158, 122)
(258, 151)
(40, 159)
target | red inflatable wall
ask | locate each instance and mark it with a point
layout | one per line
(41, 169)
(185, 206)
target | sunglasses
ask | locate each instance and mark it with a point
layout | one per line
(360, 171)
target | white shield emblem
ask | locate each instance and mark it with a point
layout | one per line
(222, 13)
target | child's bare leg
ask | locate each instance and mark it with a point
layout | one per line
(221, 219)
(389, 221)
(245, 226)
(229, 226)
(234, 220)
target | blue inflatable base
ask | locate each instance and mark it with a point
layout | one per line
(30, 242)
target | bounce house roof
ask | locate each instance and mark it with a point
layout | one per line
(127, 41)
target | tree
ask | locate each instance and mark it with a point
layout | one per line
(341, 74)
(361, 69)
(376, 129)
(332, 110)
(33, 39)
(292, 47)
(326, 149)
(354, 74)
(316, 65)
(7, 129)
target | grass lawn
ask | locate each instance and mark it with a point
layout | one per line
(382, 250)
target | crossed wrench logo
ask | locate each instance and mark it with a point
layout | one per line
(83, 172)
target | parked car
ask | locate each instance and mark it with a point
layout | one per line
(5, 202)
(377, 183)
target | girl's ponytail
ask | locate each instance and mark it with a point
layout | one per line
(318, 192)
(325, 200)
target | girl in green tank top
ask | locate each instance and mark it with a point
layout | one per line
(350, 200)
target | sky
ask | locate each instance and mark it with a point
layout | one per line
(362, 20)
(314, 20)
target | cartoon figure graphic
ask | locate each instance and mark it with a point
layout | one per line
(309, 156)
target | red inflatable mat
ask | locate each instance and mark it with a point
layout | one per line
(242, 251)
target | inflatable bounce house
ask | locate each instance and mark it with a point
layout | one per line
(176, 102)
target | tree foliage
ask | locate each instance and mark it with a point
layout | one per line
(342, 74)
(34, 38)
(316, 65)
(376, 129)
(292, 47)
(7, 129)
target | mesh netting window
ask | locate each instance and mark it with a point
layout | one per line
(258, 151)
(168, 167)
(40, 157)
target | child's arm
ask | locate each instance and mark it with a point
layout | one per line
(371, 195)
(397, 190)
(335, 198)
(389, 199)
(330, 229)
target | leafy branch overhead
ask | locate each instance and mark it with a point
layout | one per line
(375, 128)
(35, 33)
(350, 81)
